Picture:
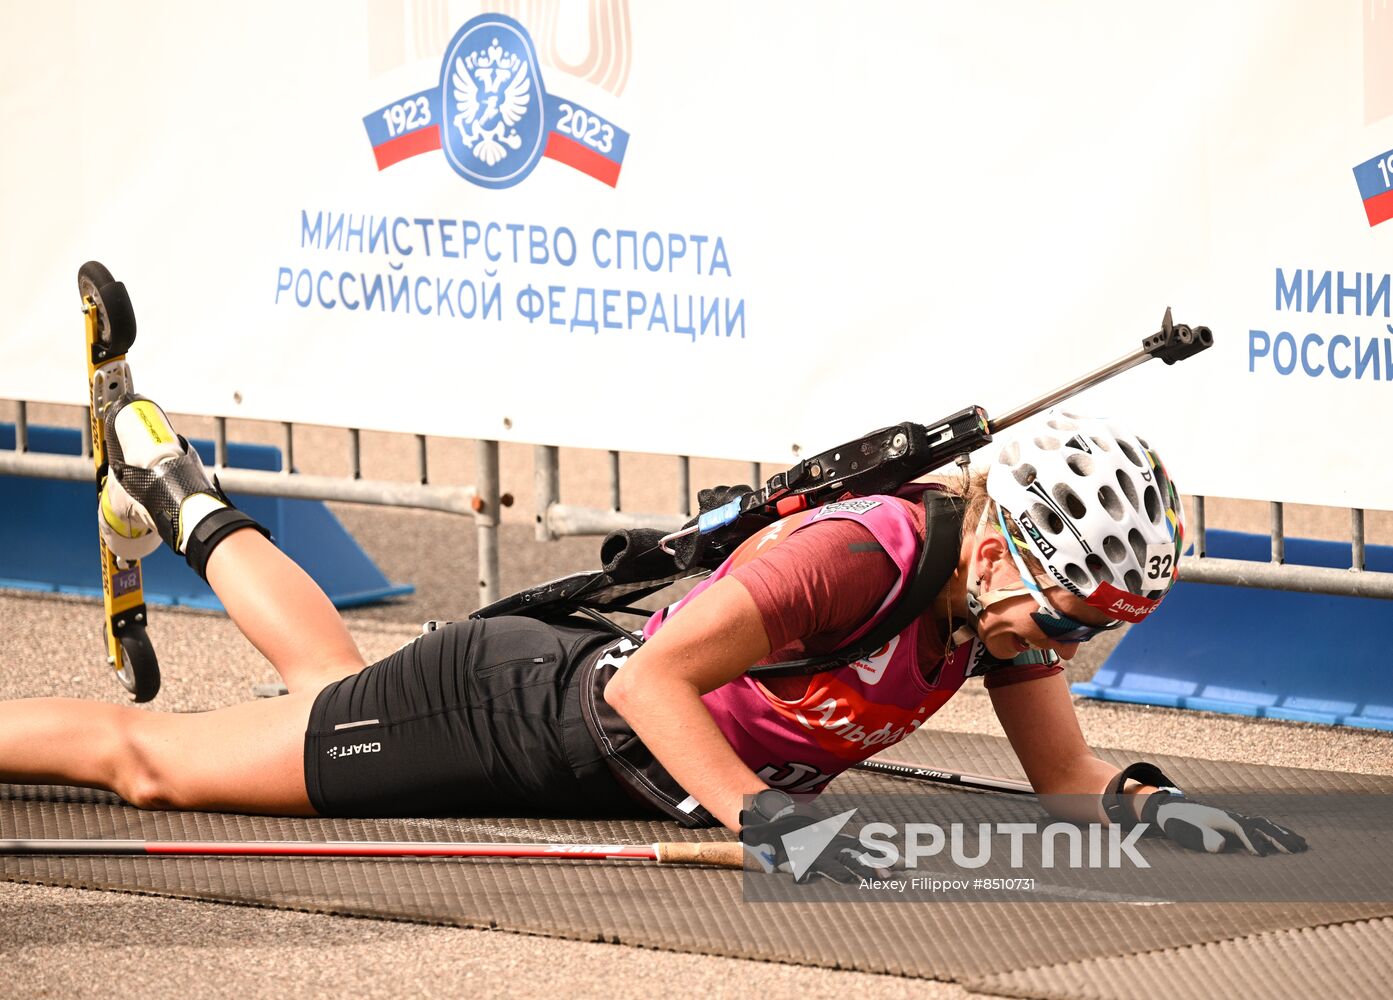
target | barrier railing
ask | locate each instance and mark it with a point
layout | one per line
(483, 502)
(1277, 574)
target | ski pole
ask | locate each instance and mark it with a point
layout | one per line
(913, 772)
(722, 854)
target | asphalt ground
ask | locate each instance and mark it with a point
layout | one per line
(63, 942)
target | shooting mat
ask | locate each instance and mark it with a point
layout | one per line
(1074, 949)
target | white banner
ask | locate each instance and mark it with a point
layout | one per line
(724, 229)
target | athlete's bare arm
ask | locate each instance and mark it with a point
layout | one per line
(1039, 719)
(715, 639)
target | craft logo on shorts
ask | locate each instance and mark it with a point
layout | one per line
(491, 116)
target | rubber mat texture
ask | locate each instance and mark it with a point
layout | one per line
(1303, 962)
(1024, 949)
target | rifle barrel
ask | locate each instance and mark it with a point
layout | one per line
(1040, 403)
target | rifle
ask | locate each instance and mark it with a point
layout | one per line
(640, 562)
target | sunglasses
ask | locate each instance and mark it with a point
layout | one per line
(1056, 625)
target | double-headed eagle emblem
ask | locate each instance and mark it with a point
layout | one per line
(492, 92)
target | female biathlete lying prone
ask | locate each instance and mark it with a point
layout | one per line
(1075, 529)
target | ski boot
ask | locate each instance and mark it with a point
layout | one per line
(110, 334)
(158, 490)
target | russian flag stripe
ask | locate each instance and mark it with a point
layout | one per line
(404, 146)
(1372, 176)
(1379, 208)
(424, 107)
(574, 154)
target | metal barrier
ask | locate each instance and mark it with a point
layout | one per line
(482, 501)
(1277, 574)
(556, 520)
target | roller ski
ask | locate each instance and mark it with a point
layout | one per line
(152, 485)
(110, 323)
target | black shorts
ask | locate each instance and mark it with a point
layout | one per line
(476, 718)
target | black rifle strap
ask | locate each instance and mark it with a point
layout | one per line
(596, 594)
(938, 560)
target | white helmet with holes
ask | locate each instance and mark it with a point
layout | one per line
(1094, 504)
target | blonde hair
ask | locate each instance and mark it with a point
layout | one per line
(971, 487)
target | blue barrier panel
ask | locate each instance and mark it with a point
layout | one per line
(48, 534)
(1269, 653)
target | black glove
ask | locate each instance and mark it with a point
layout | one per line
(774, 816)
(709, 550)
(1198, 827)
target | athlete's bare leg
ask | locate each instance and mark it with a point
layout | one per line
(246, 758)
(282, 612)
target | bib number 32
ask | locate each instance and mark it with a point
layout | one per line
(1160, 565)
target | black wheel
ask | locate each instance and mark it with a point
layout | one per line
(115, 315)
(140, 673)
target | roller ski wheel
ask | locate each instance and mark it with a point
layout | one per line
(105, 299)
(110, 327)
(137, 668)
